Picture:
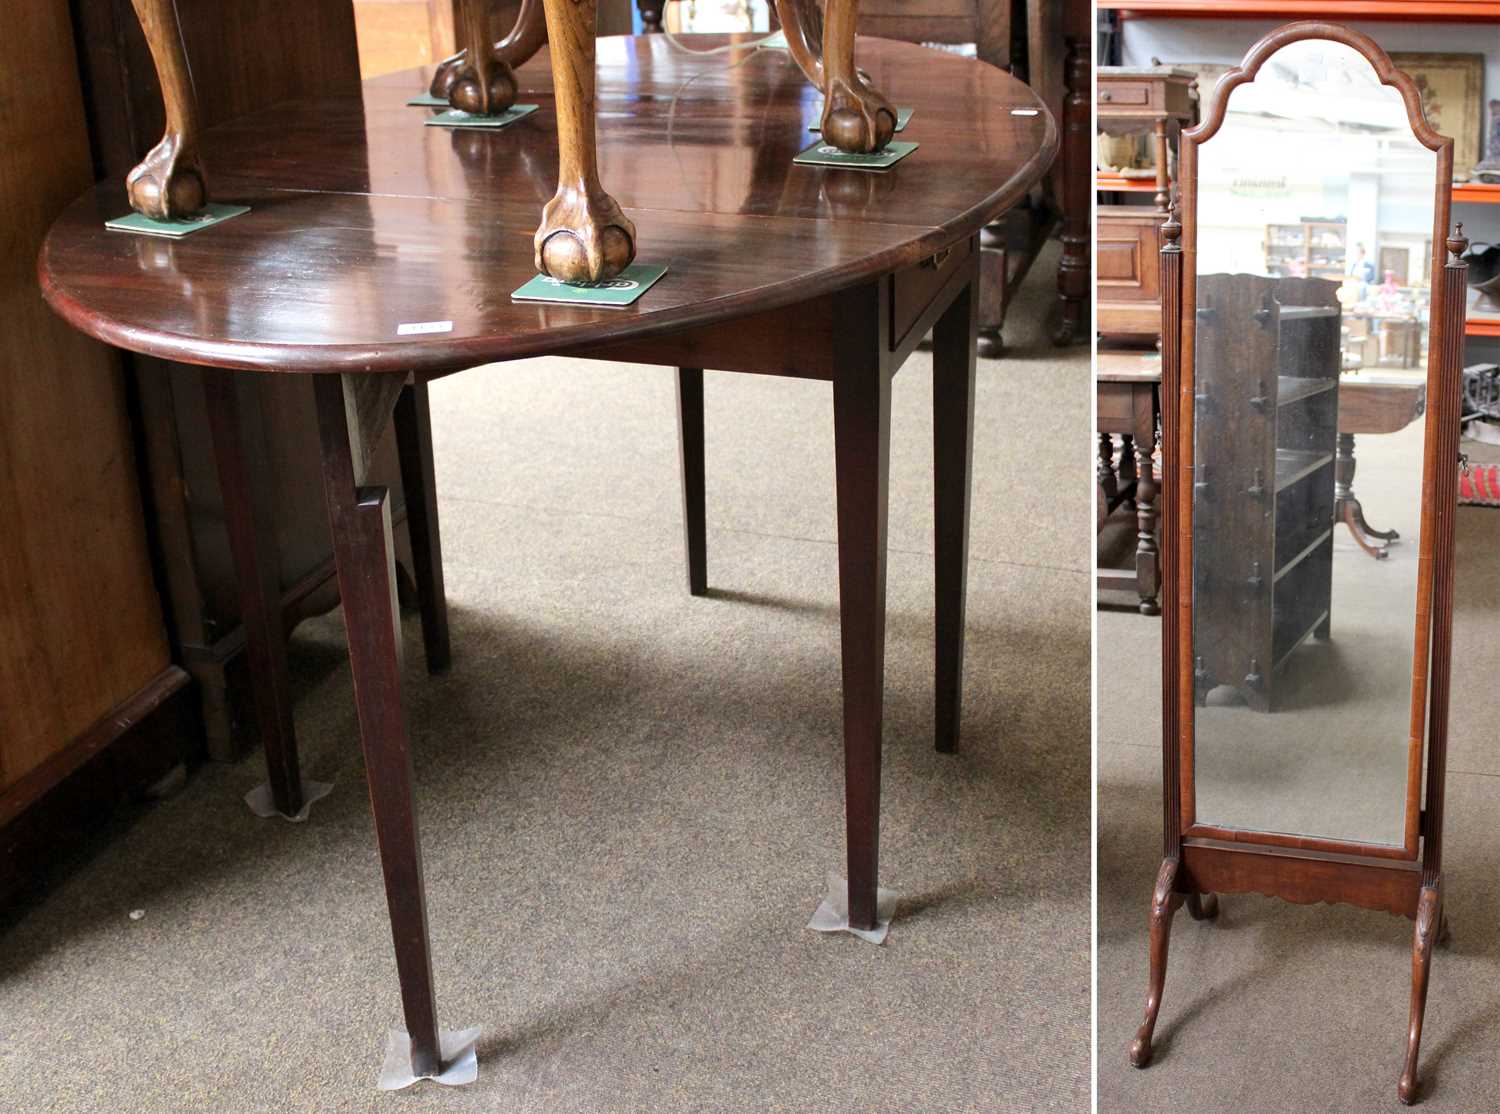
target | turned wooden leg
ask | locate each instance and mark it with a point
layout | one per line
(1104, 471)
(584, 235)
(480, 82)
(1077, 153)
(1429, 914)
(527, 37)
(855, 117)
(413, 420)
(169, 184)
(690, 449)
(1164, 903)
(251, 523)
(1147, 559)
(953, 366)
(360, 518)
(862, 442)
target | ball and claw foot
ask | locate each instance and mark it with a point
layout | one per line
(1140, 1051)
(857, 119)
(167, 185)
(584, 237)
(471, 94)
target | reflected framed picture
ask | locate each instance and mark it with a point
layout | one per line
(1452, 88)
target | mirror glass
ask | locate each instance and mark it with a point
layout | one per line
(1315, 215)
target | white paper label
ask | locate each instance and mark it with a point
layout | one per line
(1023, 111)
(414, 327)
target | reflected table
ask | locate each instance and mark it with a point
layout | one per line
(379, 254)
(1370, 405)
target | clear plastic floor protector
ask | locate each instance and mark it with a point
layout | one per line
(459, 1054)
(833, 914)
(261, 803)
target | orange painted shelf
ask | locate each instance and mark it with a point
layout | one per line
(1477, 191)
(1486, 327)
(1119, 183)
(1476, 11)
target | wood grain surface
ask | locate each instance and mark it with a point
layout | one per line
(363, 219)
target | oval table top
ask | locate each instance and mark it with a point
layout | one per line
(363, 219)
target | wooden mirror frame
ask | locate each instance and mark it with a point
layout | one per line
(1202, 860)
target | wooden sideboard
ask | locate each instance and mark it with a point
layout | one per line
(91, 706)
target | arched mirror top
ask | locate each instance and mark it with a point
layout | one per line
(1217, 102)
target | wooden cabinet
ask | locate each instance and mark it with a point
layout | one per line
(84, 657)
(1266, 425)
(1129, 282)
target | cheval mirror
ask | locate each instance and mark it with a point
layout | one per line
(1315, 296)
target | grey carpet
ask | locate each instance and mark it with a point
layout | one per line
(1278, 1007)
(629, 798)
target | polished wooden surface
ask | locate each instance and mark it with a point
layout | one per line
(81, 628)
(363, 219)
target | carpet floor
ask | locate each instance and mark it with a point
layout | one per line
(629, 798)
(1276, 1007)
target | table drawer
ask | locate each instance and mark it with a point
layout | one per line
(1125, 93)
(913, 289)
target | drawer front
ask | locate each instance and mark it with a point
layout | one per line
(913, 289)
(1125, 94)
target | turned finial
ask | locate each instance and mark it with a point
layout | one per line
(1172, 229)
(1458, 243)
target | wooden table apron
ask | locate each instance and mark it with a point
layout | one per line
(363, 220)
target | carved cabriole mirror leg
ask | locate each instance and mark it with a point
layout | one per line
(856, 118)
(584, 235)
(169, 183)
(1431, 925)
(1169, 892)
(527, 37)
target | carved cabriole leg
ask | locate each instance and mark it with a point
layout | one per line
(855, 117)
(1164, 903)
(480, 83)
(799, 42)
(169, 183)
(351, 413)
(1429, 916)
(527, 37)
(584, 236)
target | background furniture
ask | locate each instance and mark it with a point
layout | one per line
(1266, 373)
(92, 706)
(1311, 249)
(1132, 99)
(885, 274)
(1126, 403)
(244, 55)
